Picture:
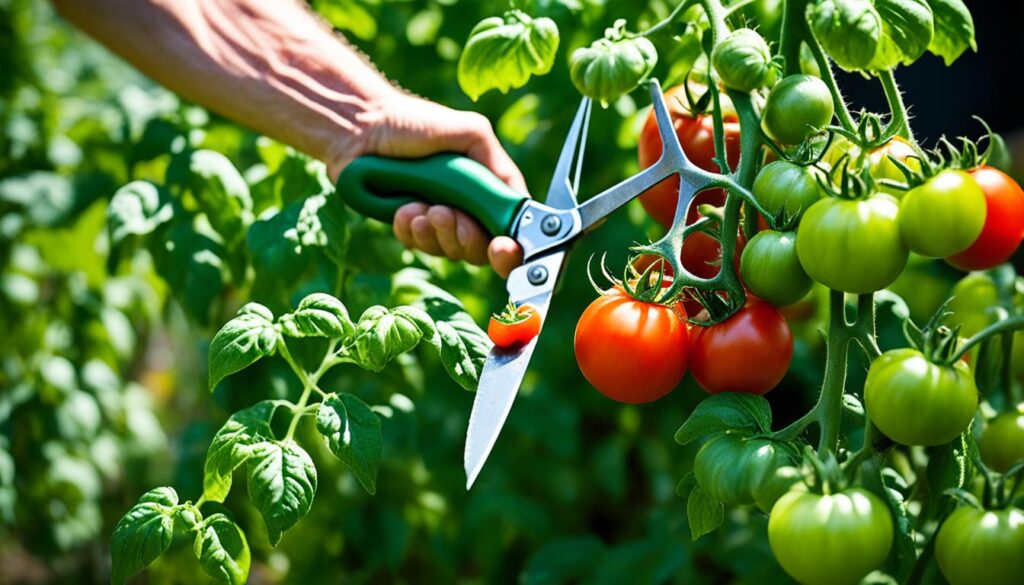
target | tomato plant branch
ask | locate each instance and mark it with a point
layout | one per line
(830, 402)
(683, 5)
(900, 117)
(1004, 326)
(842, 110)
(792, 32)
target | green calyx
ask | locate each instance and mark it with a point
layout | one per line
(511, 315)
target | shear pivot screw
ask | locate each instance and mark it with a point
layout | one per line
(550, 225)
(537, 275)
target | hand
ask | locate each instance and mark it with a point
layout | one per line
(408, 127)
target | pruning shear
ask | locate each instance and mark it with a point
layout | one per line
(376, 187)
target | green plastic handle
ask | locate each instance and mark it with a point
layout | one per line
(376, 187)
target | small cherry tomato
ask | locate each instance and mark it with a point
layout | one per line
(514, 327)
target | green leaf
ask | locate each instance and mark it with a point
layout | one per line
(703, 513)
(242, 341)
(193, 266)
(318, 315)
(723, 412)
(382, 334)
(222, 550)
(503, 52)
(907, 29)
(273, 244)
(222, 194)
(137, 209)
(281, 245)
(848, 30)
(143, 534)
(282, 482)
(462, 345)
(954, 29)
(233, 445)
(352, 432)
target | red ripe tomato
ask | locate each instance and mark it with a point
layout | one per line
(1004, 222)
(513, 329)
(629, 350)
(748, 352)
(697, 137)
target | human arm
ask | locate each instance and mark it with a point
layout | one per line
(276, 68)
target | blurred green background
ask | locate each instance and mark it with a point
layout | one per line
(102, 358)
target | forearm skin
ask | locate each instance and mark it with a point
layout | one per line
(270, 65)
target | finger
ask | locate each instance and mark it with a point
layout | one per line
(402, 223)
(472, 238)
(483, 146)
(423, 236)
(443, 221)
(505, 254)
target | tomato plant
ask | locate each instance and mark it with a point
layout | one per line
(189, 307)
(757, 333)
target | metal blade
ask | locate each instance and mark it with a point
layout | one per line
(503, 372)
(562, 193)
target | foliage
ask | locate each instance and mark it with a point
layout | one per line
(152, 253)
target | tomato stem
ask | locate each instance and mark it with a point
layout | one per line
(842, 110)
(792, 33)
(830, 402)
(1004, 326)
(683, 5)
(900, 117)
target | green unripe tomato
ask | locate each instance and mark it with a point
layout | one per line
(848, 30)
(979, 547)
(743, 61)
(771, 269)
(729, 467)
(916, 402)
(1002, 442)
(787, 188)
(832, 539)
(778, 483)
(974, 303)
(852, 246)
(797, 107)
(944, 215)
(612, 66)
